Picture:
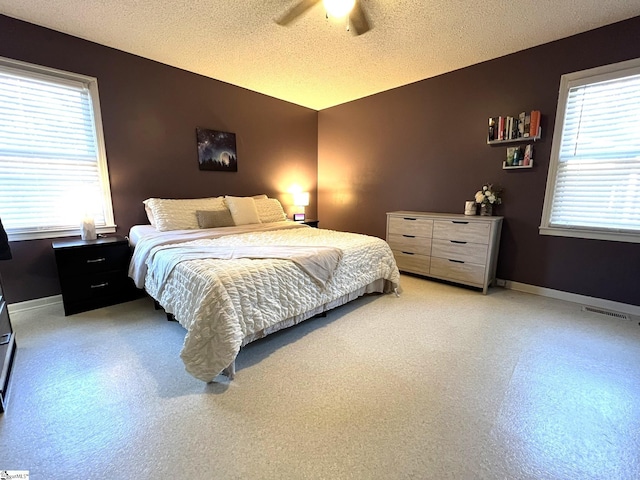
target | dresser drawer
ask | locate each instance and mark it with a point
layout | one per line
(418, 227)
(410, 243)
(457, 271)
(412, 263)
(99, 258)
(460, 250)
(472, 232)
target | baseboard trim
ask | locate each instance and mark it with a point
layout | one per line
(35, 303)
(571, 297)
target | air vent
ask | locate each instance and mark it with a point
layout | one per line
(608, 313)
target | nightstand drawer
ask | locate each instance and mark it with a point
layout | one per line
(99, 285)
(412, 263)
(460, 250)
(410, 243)
(99, 258)
(472, 232)
(458, 271)
(409, 225)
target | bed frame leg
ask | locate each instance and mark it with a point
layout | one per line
(230, 371)
(395, 290)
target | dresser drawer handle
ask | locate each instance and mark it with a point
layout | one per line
(409, 236)
(4, 339)
(458, 241)
(459, 221)
(408, 253)
(100, 285)
(96, 260)
(407, 218)
(456, 261)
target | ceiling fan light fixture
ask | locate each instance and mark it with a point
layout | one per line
(338, 8)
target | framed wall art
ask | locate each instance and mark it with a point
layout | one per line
(216, 150)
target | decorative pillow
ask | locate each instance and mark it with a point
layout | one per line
(243, 210)
(180, 214)
(270, 210)
(258, 197)
(214, 218)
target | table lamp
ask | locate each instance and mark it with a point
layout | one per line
(300, 200)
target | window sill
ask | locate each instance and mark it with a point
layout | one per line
(612, 236)
(16, 237)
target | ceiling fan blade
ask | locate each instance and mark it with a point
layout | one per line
(295, 11)
(358, 19)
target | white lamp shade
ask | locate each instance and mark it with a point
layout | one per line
(301, 199)
(338, 8)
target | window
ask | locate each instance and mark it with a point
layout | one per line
(593, 185)
(53, 168)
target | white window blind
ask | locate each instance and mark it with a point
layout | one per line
(52, 165)
(594, 176)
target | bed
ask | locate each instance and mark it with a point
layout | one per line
(233, 284)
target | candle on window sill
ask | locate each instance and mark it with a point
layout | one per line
(88, 228)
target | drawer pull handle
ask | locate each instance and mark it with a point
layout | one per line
(456, 261)
(409, 236)
(459, 221)
(100, 285)
(4, 339)
(408, 253)
(407, 218)
(96, 260)
(458, 241)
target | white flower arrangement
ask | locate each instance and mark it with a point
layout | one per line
(488, 195)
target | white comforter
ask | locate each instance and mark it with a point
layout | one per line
(221, 302)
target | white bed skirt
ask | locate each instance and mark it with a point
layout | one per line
(377, 286)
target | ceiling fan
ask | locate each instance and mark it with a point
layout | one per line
(358, 21)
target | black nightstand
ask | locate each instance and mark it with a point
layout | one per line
(94, 273)
(311, 223)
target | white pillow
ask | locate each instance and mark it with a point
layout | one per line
(179, 214)
(243, 210)
(149, 213)
(270, 210)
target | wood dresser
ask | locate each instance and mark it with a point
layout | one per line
(457, 248)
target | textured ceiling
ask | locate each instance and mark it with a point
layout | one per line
(315, 62)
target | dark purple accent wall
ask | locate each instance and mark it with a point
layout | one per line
(417, 147)
(423, 147)
(150, 112)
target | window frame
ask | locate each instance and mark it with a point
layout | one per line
(91, 83)
(568, 81)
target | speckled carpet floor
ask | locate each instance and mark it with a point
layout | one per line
(440, 383)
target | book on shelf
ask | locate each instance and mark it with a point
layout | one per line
(534, 123)
(511, 154)
(528, 155)
(527, 125)
(521, 119)
(492, 135)
(500, 128)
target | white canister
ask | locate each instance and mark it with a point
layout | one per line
(470, 208)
